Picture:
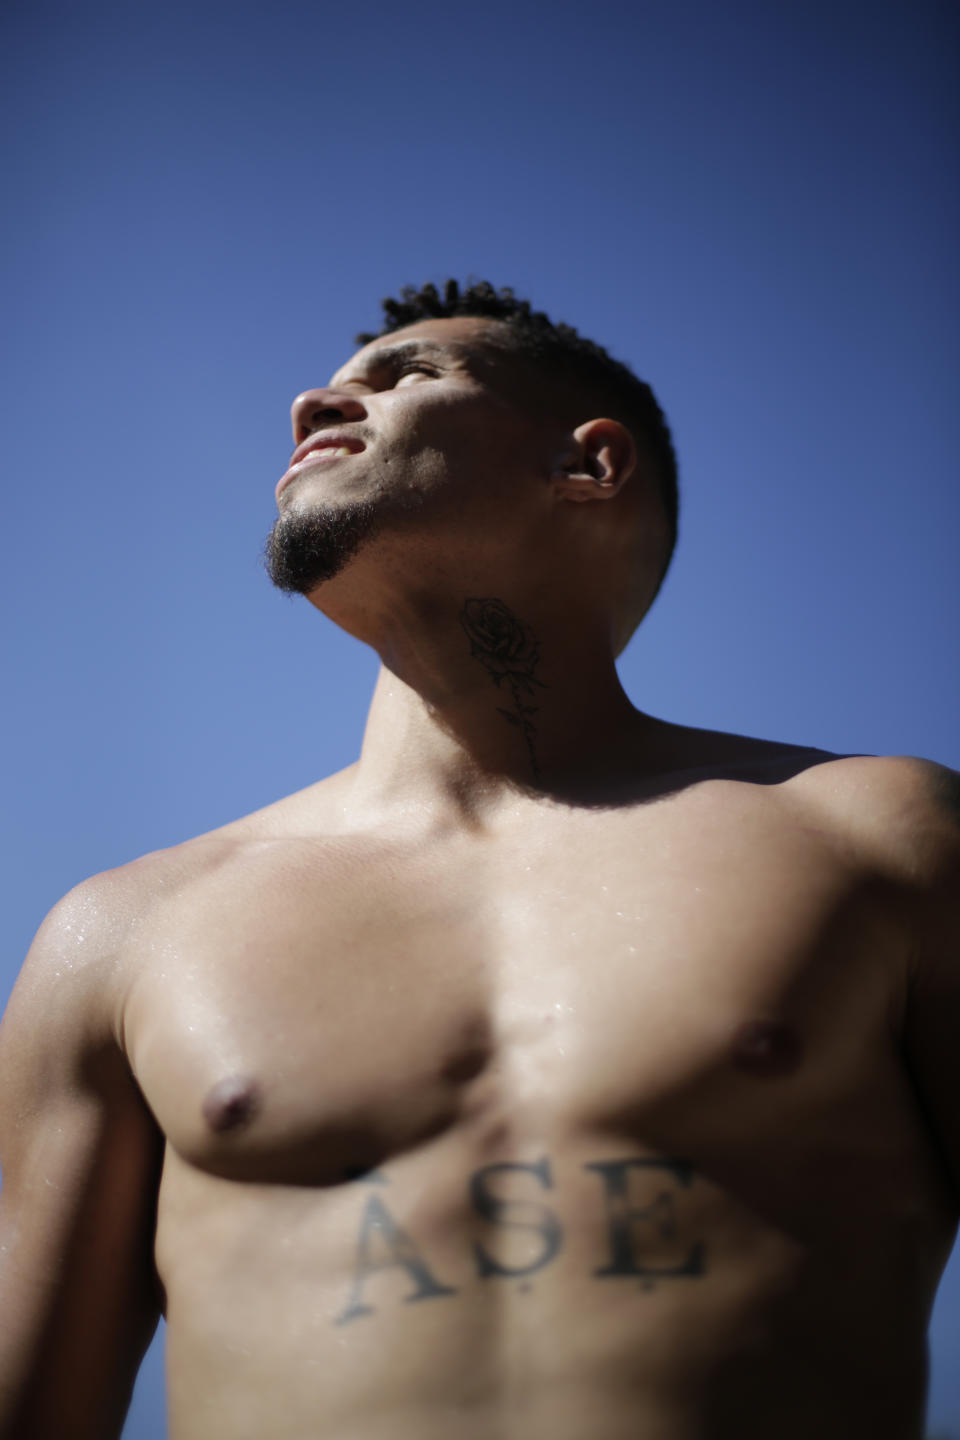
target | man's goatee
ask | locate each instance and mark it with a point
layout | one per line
(307, 547)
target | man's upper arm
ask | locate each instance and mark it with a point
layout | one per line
(80, 1157)
(932, 1031)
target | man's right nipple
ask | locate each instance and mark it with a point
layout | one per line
(231, 1103)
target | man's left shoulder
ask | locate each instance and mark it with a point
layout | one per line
(901, 810)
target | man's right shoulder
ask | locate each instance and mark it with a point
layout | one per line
(78, 957)
(96, 925)
(106, 907)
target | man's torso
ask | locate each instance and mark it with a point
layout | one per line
(597, 1124)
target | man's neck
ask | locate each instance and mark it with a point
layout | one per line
(482, 706)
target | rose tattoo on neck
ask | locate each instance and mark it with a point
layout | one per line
(509, 652)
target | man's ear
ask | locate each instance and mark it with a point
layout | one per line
(601, 459)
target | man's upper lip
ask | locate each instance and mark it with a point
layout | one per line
(322, 440)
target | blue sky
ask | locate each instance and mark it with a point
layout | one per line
(752, 204)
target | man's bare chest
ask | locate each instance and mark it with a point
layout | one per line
(313, 1009)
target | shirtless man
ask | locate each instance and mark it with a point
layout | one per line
(553, 1072)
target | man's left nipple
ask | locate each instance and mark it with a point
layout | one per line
(231, 1103)
(767, 1047)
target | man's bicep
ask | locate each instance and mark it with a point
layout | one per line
(933, 1054)
(932, 1032)
(79, 1156)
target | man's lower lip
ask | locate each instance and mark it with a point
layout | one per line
(314, 458)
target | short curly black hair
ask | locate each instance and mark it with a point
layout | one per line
(555, 349)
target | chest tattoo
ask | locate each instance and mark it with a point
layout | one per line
(638, 1212)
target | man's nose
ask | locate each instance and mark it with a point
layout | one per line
(321, 407)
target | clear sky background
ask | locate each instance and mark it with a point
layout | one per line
(754, 204)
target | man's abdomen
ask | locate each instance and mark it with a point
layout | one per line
(572, 1291)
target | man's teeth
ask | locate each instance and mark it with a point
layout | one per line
(330, 450)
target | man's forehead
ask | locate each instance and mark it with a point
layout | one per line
(456, 337)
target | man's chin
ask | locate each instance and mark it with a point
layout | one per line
(306, 548)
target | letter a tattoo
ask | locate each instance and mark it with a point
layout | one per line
(377, 1221)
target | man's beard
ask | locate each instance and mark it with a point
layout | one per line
(307, 547)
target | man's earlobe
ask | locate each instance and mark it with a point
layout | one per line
(572, 482)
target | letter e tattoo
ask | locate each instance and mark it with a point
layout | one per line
(659, 1217)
